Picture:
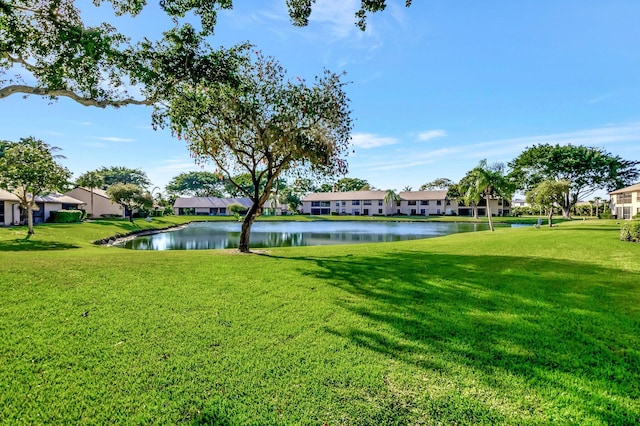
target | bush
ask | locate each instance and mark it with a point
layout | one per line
(65, 216)
(605, 215)
(630, 231)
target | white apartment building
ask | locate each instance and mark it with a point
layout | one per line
(625, 202)
(412, 203)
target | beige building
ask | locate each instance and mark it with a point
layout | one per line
(102, 204)
(11, 214)
(412, 203)
(625, 202)
(366, 203)
(207, 206)
(426, 203)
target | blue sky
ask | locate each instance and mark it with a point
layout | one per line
(435, 88)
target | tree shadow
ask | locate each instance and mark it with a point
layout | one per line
(29, 244)
(560, 326)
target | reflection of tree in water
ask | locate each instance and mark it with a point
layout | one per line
(208, 236)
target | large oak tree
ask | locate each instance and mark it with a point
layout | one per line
(46, 49)
(264, 125)
(587, 169)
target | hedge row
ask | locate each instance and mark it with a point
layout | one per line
(65, 216)
(630, 231)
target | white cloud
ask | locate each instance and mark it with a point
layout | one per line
(115, 139)
(369, 140)
(431, 134)
(339, 14)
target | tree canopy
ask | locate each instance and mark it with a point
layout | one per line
(588, 169)
(440, 184)
(29, 169)
(547, 194)
(118, 174)
(131, 196)
(265, 126)
(56, 54)
(346, 185)
(196, 184)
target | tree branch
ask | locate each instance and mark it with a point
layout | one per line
(54, 93)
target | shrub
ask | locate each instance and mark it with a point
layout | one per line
(65, 216)
(605, 215)
(630, 231)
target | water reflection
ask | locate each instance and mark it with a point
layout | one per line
(223, 235)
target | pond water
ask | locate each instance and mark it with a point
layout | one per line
(224, 235)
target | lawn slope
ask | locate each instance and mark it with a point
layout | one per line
(520, 326)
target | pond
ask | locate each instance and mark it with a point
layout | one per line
(224, 235)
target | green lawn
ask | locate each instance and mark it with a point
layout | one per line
(520, 326)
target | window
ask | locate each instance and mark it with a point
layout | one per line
(315, 204)
(380, 211)
(411, 202)
(325, 204)
(367, 202)
(1, 212)
(337, 203)
(380, 202)
(438, 203)
(448, 202)
(355, 202)
(424, 202)
(344, 203)
(624, 198)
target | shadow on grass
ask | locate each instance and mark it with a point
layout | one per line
(27, 244)
(567, 330)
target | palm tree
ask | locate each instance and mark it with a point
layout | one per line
(486, 182)
(91, 180)
(391, 198)
(597, 201)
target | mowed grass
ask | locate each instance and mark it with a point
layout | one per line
(520, 326)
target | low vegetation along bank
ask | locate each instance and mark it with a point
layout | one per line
(520, 326)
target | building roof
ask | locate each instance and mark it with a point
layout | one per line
(423, 195)
(58, 198)
(632, 188)
(7, 196)
(374, 195)
(345, 196)
(210, 202)
(96, 191)
(50, 198)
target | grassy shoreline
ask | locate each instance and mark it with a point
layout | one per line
(520, 326)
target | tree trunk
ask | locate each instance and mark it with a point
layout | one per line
(30, 219)
(91, 202)
(475, 210)
(549, 217)
(489, 215)
(245, 233)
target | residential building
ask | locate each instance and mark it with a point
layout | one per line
(366, 203)
(426, 203)
(413, 203)
(102, 204)
(207, 206)
(625, 202)
(11, 214)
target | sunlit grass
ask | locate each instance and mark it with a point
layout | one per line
(520, 326)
